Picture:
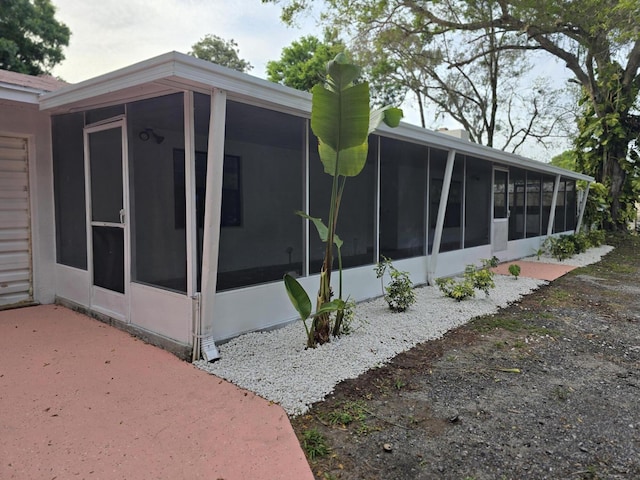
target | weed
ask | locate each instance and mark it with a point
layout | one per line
(399, 384)
(314, 444)
(347, 413)
(561, 393)
(489, 323)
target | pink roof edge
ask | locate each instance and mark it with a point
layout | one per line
(45, 83)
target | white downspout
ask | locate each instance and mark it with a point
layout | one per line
(583, 207)
(442, 209)
(212, 215)
(554, 202)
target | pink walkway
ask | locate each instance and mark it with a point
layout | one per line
(80, 399)
(538, 270)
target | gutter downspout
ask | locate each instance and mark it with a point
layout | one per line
(212, 215)
(442, 209)
(554, 202)
(583, 207)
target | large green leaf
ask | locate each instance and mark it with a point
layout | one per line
(322, 229)
(341, 72)
(340, 118)
(389, 115)
(352, 160)
(298, 296)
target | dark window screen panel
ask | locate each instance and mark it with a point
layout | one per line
(534, 207)
(517, 196)
(477, 212)
(108, 258)
(500, 194)
(105, 153)
(356, 226)
(572, 210)
(403, 189)
(261, 236)
(158, 244)
(69, 191)
(560, 216)
(548, 184)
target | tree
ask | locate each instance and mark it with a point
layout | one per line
(597, 40)
(31, 39)
(303, 64)
(223, 52)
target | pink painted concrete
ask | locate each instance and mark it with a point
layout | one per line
(80, 399)
(539, 270)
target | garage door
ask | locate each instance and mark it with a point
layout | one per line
(15, 234)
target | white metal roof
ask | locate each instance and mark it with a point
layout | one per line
(175, 71)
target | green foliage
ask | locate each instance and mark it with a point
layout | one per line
(596, 237)
(482, 278)
(303, 64)
(31, 39)
(514, 269)
(460, 290)
(561, 247)
(220, 51)
(400, 294)
(581, 242)
(348, 412)
(490, 262)
(314, 444)
(342, 120)
(474, 278)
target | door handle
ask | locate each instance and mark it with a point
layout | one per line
(122, 215)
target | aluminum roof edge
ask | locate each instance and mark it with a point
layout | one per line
(20, 94)
(447, 142)
(180, 68)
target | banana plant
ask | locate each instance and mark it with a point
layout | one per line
(342, 120)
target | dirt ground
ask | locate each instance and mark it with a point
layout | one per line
(548, 388)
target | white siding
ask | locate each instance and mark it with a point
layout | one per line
(15, 232)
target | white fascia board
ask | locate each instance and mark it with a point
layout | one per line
(465, 147)
(179, 71)
(16, 93)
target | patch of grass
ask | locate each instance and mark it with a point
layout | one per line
(621, 268)
(347, 413)
(314, 444)
(399, 384)
(561, 393)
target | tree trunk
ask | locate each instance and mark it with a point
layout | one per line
(613, 173)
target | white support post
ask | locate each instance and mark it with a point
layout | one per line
(212, 215)
(442, 209)
(190, 195)
(583, 206)
(554, 202)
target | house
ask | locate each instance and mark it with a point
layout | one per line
(175, 181)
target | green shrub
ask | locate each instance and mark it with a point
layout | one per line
(561, 247)
(581, 242)
(596, 237)
(399, 293)
(514, 269)
(482, 278)
(457, 290)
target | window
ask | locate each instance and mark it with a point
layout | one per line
(158, 244)
(517, 187)
(262, 187)
(69, 191)
(403, 189)
(477, 210)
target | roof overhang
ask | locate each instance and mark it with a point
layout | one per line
(173, 71)
(169, 73)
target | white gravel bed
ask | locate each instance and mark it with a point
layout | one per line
(276, 365)
(592, 255)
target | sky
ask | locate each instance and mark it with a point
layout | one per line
(110, 34)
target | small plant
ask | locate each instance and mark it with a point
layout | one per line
(457, 290)
(514, 269)
(314, 444)
(482, 278)
(348, 320)
(561, 247)
(399, 293)
(347, 413)
(581, 242)
(596, 237)
(490, 262)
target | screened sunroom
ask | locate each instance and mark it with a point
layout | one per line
(176, 183)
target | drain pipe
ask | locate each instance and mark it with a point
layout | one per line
(442, 209)
(195, 312)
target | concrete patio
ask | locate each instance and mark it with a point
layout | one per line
(81, 399)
